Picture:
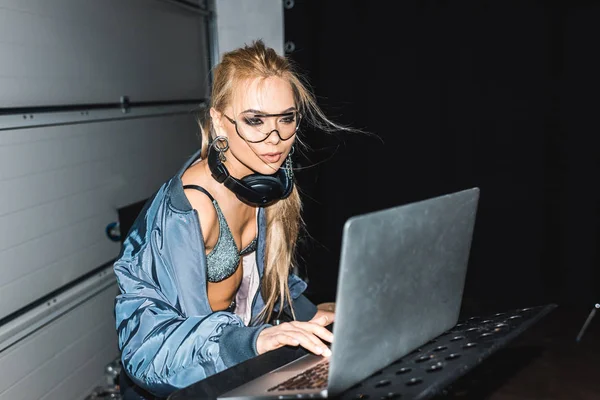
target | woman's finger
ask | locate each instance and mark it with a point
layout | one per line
(316, 329)
(300, 329)
(323, 318)
(292, 335)
(283, 339)
(310, 342)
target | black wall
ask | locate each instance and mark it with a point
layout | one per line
(503, 95)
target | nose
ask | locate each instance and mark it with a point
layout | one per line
(274, 139)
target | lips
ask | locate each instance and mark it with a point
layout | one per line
(271, 157)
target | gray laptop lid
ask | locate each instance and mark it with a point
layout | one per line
(400, 284)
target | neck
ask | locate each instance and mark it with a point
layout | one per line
(221, 192)
(236, 168)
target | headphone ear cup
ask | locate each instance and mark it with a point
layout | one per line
(287, 183)
(265, 185)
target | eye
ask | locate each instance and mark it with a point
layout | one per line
(253, 121)
(288, 120)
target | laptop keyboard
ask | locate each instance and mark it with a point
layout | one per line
(313, 378)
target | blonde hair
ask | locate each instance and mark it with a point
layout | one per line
(283, 217)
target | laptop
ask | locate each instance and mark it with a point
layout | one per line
(400, 284)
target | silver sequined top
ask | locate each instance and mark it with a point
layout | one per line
(224, 259)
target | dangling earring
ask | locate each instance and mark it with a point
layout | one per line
(288, 164)
(221, 145)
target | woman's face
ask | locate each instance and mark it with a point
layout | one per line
(264, 124)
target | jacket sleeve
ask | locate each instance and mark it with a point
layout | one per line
(163, 350)
(304, 309)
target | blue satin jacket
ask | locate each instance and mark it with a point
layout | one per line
(168, 335)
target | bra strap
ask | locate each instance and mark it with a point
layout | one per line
(200, 188)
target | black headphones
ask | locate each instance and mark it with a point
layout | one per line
(255, 189)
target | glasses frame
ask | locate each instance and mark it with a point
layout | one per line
(298, 118)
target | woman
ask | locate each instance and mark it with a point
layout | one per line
(207, 263)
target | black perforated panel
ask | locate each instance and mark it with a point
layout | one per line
(427, 370)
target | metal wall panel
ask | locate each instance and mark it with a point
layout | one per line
(66, 359)
(57, 52)
(60, 187)
(239, 22)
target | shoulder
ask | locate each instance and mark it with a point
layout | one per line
(203, 204)
(207, 214)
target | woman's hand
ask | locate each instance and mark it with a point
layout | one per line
(309, 335)
(323, 317)
(325, 310)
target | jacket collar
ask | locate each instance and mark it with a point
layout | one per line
(175, 188)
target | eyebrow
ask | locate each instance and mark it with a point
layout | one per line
(253, 111)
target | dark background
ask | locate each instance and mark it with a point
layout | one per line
(502, 95)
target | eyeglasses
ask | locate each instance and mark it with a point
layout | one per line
(255, 128)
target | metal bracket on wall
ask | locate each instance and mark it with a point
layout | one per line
(212, 36)
(125, 105)
(16, 327)
(52, 116)
(289, 46)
